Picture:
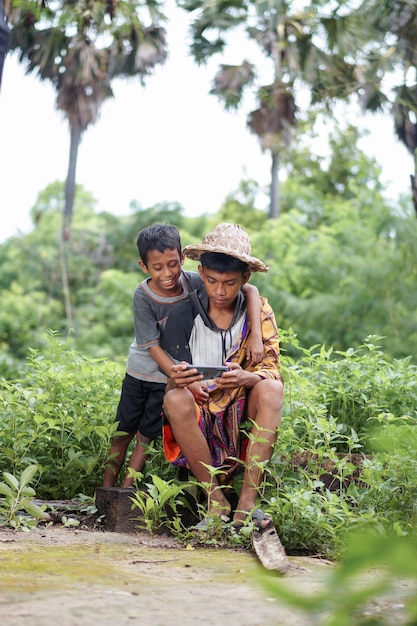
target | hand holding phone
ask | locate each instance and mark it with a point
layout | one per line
(209, 371)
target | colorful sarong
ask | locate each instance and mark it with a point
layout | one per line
(221, 431)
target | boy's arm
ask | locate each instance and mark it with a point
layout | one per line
(255, 346)
(162, 359)
(270, 365)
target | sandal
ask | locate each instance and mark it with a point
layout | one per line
(257, 517)
(267, 543)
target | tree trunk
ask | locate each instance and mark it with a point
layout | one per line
(414, 191)
(4, 39)
(70, 182)
(65, 283)
(413, 180)
(274, 208)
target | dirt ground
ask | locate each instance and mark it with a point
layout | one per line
(67, 576)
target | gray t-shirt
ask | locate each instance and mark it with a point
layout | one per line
(150, 313)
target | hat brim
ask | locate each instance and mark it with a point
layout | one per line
(195, 251)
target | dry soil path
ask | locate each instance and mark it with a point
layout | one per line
(67, 577)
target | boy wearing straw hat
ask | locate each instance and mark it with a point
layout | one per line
(203, 418)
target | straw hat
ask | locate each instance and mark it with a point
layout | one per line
(229, 239)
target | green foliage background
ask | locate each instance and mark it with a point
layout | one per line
(343, 261)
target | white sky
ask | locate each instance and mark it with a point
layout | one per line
(168, 141)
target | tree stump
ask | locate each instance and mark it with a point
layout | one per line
(114, 506)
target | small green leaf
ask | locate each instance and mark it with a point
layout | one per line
(5, 490)
(28, 474)
(12, 480)
(35, 510)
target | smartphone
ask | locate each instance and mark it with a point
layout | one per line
(209, 371)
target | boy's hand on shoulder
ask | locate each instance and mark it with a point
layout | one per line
(254, 349)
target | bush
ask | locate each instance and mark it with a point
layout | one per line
(335, 396)
(61, 418)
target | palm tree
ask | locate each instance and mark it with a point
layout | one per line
(81, 46)
(303, 49)
(388, 73)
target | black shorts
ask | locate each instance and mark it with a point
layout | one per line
(140, 407)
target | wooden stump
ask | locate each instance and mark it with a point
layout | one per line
(114, 504)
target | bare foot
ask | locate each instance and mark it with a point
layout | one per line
(243, 509)
(218, 504)
(240, 518)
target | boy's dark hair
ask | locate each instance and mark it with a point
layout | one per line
(223, 263)
(158, 237)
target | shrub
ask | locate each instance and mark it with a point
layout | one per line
(61, 418)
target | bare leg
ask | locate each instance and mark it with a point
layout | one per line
(137, 460)
(179, 408)
(113, 466)
(264, 408)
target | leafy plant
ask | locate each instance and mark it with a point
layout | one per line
(158, 504)
(342, 391)
(391, 473)
(17, 508)
(61, 417)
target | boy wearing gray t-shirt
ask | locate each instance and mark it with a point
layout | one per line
(139, 408)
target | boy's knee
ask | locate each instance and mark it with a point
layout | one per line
(177, 401)
(270, 390)
(267, 396)
(121, 442)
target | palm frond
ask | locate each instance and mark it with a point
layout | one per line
(404, 110)
(230, 82)
(272, 121)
